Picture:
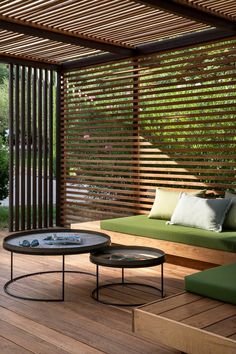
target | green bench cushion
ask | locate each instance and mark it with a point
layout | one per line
(141, 225)
(217, 283)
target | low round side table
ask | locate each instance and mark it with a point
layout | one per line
(89, 241)
(126, 257)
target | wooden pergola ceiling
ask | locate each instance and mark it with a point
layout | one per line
(72, 33)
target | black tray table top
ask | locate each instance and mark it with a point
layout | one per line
(90, 241)
(128, 257)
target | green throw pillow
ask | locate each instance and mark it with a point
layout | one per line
(166, 201)
(230, 219)
(207, 214)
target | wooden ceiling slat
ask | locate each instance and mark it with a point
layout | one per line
(13, 4)
(132, 23)
(109, 12)
(188, 10)
(57, 10)
(29, 61)
(61, 36)
(22, 44)
(132, 33)
(226, 9)
(23, 7)
(137, 16)
(105, 20)
(134, 36)
(111, 25)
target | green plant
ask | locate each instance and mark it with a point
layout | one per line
(4, 214)
(3, 105)
(4, 170)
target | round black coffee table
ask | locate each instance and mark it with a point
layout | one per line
(126, 257)
(54, 245)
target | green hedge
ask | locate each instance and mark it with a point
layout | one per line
(4, 170)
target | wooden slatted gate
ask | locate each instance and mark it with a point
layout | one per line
(31, 144)
(161, 120)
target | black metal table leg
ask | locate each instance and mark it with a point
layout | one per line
(11, 265)
(97, 281)
(62, 272)
(96, 290)
(127, 257)
(63, 277)
(162, 281)
(123, 276)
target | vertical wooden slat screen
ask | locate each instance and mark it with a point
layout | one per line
(51, 138)
(59, 157)
(22, 146)
(164, 120)
(11, 148)
(31, 144)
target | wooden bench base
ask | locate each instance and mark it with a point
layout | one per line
(177, 253)
(189, 323)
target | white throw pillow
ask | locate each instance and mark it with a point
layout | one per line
(208, 214)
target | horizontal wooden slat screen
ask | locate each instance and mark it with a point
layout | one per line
(163, 120)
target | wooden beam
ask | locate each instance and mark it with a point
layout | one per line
(93, 60)
(184, 41)
(61, 36)
(154, 47)
(12, 59)
(193, 13)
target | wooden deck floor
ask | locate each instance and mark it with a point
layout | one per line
(80, 325)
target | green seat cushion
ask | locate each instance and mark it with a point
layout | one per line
(217, 283)
(141, 225)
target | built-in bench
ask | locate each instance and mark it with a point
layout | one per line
(190, 323)
(141, 225)
(198, 322)
(184, 246)
(188, 246)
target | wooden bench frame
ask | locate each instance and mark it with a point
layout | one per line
(159, 329)
(153, 321)
(177, 253)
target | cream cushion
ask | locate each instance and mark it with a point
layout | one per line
(166, 201)
(207, 214)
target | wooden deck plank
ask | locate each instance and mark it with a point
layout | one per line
(9, 347)
(80, 323)
(211, 316)
(171, 303)
(186, 311)
(37, 338)
(194, 326)
(225, 328)
(179, 335)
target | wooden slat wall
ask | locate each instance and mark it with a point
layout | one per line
(31, 148)
(163, 120)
